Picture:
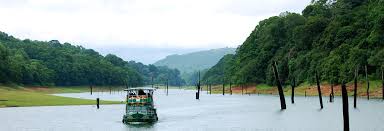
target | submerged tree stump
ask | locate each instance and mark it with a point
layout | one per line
(198, 91)
(210, 89)
(305, 93)
(293, 85)
(91, 89)
(198, 88)
(355, 89)
(167, 87)
(366, 78)
(382, 81)
(97, 103)
(319, 90)
(279, 87)
(345, 107)
(223, 88)
(332, 94)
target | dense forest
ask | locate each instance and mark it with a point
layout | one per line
(191, 63)
(332, 38)
(50, 63)
(217, 74)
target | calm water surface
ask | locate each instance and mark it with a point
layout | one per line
(179, 111)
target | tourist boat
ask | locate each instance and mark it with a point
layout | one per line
(140, 107)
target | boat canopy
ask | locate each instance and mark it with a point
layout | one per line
(144, 88)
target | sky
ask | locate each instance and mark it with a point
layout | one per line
(141, 30)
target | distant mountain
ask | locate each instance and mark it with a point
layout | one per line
(191, 62)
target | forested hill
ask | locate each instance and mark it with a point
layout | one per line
(53, 63)
(191, 62)
(330, 37)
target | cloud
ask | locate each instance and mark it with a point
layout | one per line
(140, 23)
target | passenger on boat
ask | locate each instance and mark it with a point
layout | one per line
(141, 92)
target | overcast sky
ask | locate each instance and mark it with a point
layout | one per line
(141, 30)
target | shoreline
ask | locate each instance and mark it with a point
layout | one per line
(304, 89)
(42, 96)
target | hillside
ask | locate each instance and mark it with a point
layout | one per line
(32, 62)
(332, 38)
(191, 62)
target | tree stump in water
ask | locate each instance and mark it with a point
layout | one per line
(98, 103)
(332, 95)
(293, 91)
(197, 95)
(91, 88)
(167, 86)
(210, 89)
(279, 87)
(319, 90)
(382, 81)
(223, 88)
(366, 78)
(305, 93)
(345, 107)
(355, 89)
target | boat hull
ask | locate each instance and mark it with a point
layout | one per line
(139, 118)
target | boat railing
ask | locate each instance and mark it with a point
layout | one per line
(139, 99)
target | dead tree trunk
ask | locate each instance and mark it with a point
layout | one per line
(167, 87)
(366, 78)
(198, 87)
(91, 88)
(382, 81)
(355, 89)
(210, 88)
(305, 93)
(293, 85)
(242, 89)
(198, 91)
(223, 87)
(279, 87)
(319, 90)
(230, 88)
(97, 103)
(331, 94)
(345, 107)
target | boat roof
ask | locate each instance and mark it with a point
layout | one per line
(140, 88)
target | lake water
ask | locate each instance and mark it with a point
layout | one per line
(179, 111)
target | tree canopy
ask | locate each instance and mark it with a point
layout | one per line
(53, 63)
(330, 37)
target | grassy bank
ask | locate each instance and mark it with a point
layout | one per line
(40, 96)
(305, 88)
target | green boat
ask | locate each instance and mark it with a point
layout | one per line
(140, 107)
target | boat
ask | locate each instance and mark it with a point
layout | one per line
(140, 106)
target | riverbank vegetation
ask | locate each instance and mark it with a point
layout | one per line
(331, 38)
(304, 89)
(17, 96)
